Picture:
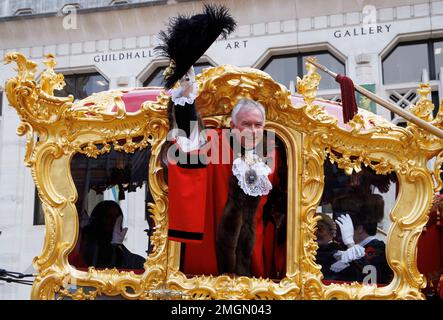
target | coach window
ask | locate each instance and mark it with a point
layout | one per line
(80, 86)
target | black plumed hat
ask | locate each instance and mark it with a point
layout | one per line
(188, 37)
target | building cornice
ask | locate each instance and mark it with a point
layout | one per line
(133, 40)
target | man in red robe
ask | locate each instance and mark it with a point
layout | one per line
(219, 184)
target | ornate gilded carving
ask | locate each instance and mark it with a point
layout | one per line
(233, 288)
(376, 148)
(437, 171)
(49, 80)
(100, 106)
(100, 123)
(308, 86)
(424, 107)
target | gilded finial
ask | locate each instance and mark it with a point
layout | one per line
(50, 62)
(308, 86)
(424, 107)
(50, 80)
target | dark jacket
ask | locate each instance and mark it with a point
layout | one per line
(375, 255)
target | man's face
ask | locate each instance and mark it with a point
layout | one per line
(249, 127)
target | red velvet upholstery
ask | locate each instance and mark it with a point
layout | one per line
(430, 254)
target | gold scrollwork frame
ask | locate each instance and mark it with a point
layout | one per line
(309, 134)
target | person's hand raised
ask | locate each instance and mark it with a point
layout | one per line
(187, 82)
(346, 229)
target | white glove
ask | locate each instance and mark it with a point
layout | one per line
(187, 80)
(353, 253)
(338, 266)
(119, 233)
(185, 93)
(346, 229)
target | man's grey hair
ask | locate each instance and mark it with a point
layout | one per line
(250, 103)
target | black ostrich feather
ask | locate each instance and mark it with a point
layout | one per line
(188, 37)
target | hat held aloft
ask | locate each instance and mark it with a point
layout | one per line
(188, 37)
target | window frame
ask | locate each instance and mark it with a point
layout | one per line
(300, 64)
(81, 74)
(431, 58)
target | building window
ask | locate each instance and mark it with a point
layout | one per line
(438, 58)
(156, 78)
(408, 62)
(83, 85)
(407, 98)
(406, 66)
(285, 68)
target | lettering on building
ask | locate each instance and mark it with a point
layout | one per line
(121, 56)
(236, 44)
(362, 31)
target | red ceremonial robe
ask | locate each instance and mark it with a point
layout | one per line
(197, 197)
